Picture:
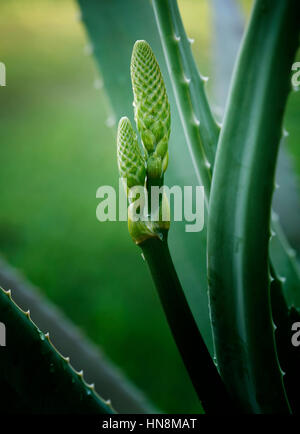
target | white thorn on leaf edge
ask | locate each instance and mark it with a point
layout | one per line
(282, 279)
(186, 79)
(207, 164)
(196, 120)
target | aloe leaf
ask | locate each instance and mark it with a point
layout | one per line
(67, 338)
(34, 369)
(287, 193)
(229, 24)
(240, 206)
(200, 129)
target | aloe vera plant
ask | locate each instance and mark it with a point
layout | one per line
(241, 350)
(234, 341)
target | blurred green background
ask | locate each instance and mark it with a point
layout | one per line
(56, 149)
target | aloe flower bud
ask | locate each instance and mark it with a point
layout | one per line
(131, 162)
(151, 106)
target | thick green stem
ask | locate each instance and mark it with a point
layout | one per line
(240, 204)
(199, 364)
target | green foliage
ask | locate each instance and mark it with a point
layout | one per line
(200, 129)
(239, 218)
(288, 355)
(34, 369)
(152, 115)
(188, 250)
(243, 375)
(61, 152)
(243, 182)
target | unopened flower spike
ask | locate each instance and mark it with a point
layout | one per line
(151, 107)
(131, 162)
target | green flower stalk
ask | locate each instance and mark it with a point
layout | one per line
(151, 109)
(152, 116)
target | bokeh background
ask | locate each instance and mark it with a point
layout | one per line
(57, 146)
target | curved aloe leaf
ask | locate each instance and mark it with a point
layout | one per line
(200, 129)
(35, 370)
(66, 337)
(240, 206)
